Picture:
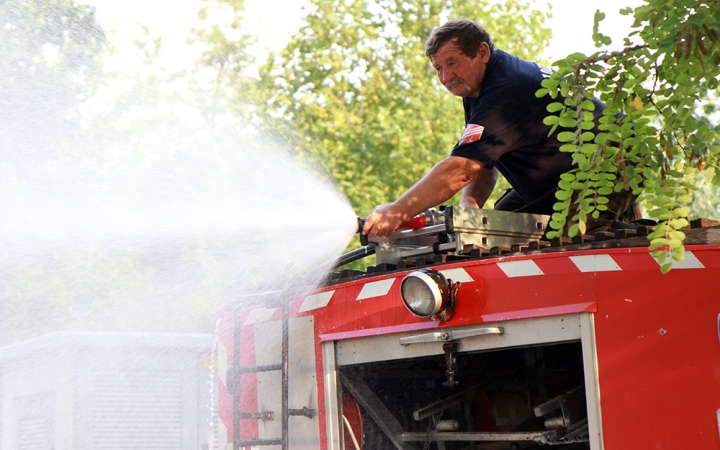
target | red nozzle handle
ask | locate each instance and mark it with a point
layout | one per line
(419, 221)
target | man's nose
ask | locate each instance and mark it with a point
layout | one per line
(446, 76)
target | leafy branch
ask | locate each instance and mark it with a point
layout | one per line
(652, 138)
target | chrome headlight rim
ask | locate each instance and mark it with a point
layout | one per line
(436, 283)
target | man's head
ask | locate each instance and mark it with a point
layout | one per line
(466, 34)
(460, 50)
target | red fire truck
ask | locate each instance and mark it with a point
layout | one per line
(472, 332)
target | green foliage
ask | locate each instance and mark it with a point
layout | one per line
(48, 50)
(225, 46)
(359, 90)
(653, 133)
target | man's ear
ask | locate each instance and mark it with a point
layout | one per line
(484, 52)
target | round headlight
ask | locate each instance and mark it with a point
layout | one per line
(425, 292)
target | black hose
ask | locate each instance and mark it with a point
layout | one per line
(354, 255)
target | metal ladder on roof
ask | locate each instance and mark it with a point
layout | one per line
(237, 370)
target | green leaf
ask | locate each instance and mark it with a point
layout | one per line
(563, 195)
(679, 223)
(573, 231)
(553, 234)
(561, 206)
(678, 256)
(676, 235)
(542, 92)
(587, 105)
(564, 89)
(589, 148)
(554, 107)
(568, 122)
(550, 83)
(684, 199)
(655, 235)
(551, 120)
(566, 136)
(659, 242)
(675, 243)
(661, 255)
(660, 201)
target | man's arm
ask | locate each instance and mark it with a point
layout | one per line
(440, 184)
(475, 194)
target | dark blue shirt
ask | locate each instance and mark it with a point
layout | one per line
(513, 137)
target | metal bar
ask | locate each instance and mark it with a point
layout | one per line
(538, 436)
(404, 234)
(285, 345)
(236, 382)
(578, 432)
(450, 335)
(251, 442)
(592, 386)
(268, 415)
(332, 396)
(257, 369)
(306, 412)
(445, 403)
(376, 409)
(558, 402)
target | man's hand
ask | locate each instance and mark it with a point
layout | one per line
(468, 202)
(476, 193)
(384, 220)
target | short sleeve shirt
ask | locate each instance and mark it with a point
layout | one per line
(504, 128)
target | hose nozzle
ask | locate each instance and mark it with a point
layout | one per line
(361, 224)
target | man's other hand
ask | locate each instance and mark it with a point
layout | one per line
(384, 220)
(468, 202)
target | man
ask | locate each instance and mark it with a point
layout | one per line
(504, 131)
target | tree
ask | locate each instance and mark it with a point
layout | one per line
(106, 166)
(356, 84)
(654, 132)
(48, 55)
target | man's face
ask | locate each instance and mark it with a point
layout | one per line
(459, 73)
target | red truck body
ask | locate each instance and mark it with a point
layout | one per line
(642, 347)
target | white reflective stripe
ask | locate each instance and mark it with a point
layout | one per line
(259, 315)
(690, 262)
(222, 360)
(222, 435)
(375, 289)
(595, 263)
(526, 268)
(315, 301)
(458, 275)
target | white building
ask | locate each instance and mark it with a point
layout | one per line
(93, 391)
